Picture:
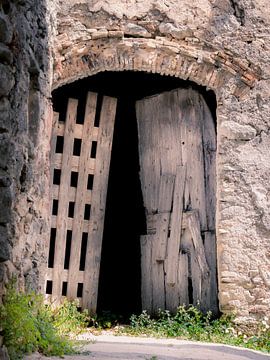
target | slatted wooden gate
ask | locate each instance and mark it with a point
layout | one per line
(80, 159)
(177, 145)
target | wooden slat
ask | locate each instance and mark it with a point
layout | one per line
(183, 278)
(161, 237)
(71, 194)
(64, 275)
(99, 193)
(158, 285)
(52, 155)
(194, 227)
(57, 163)
(78, 131)
(209, 146)
(78, 221)
(166, 192)
(176, 226)
(211, 258)
(63, 199)
(69, 223)
(146, 272)
(192, 150)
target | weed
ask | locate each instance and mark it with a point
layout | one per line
(190, 323)
(29, 325)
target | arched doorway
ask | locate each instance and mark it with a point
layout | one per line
(125, 253)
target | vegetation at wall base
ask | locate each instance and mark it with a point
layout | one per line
(189, 323)
(29, 325)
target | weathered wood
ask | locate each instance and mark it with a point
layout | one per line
(52, 157)
(166, 187)
(211, 258)
(162, 222)
(78, 221)
(192, 150)
(75, 163)
(146, 272)
(63, 200)
(78, 130)
(183, 279)
(99, 194)
(194, 227)
(209, 148)
(176, 225)
(158, 286)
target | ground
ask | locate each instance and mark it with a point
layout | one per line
(109, 347)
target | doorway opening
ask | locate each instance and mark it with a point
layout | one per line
(120, 268)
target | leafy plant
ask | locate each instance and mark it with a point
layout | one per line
(190, 323)
(29, 325)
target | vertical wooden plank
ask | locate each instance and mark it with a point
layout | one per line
(158, 285)
(211, 257)
(161, 237)
(99, 194)
(199, 266)
(78, 220)
(166, 187)
(148, 133)
(146, 272)
(194, 228)
(209, 145)
(183, 278)
(52, 155)
(61, 222)
(176, 225)
(192, 150)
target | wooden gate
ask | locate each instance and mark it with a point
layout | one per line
(177, 145)
(80, 160)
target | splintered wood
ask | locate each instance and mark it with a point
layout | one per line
(73, 269)
(177, 144)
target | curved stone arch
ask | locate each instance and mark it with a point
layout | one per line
(212, 69)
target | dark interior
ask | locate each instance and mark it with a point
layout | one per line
(119, 285)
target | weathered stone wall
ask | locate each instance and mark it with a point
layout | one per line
(221, 44)
(24, 138)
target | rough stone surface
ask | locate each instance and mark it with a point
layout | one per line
(23, 42)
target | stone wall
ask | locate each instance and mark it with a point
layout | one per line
(24, 138)
(221, 44)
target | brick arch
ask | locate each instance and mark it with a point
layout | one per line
(213, 69)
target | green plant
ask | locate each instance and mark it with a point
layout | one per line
(190, 323)
(29, 325)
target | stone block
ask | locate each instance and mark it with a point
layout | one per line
(5, 249)
(5, 208)
(6, 55)
(5, 115)
(136, 31)
(6, 30)
(5, 151)
(234, 131)
(7, 80)
(178, 33)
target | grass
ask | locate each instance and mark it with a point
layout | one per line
(191, 324)
(29, 325)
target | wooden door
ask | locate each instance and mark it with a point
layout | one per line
(177, 146)
(80, 160)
